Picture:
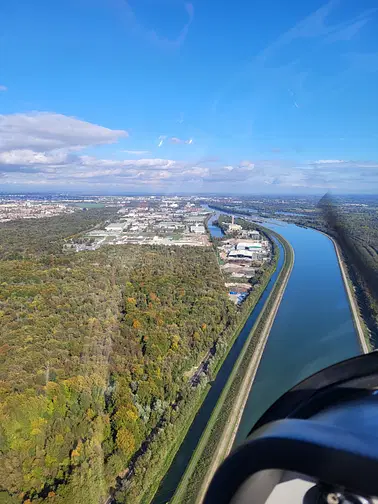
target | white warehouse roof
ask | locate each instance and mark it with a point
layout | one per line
(251, 254)
(249, 245)
(116, 226)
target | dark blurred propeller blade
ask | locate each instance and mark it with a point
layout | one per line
(363, 266)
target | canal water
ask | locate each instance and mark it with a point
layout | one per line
(169, 484)
(215, 231)
(313, 327)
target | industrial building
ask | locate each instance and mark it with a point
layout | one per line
(252, 255)
(234, 227)
(170, 225)
(249, 245)
(117, 227)
(198, 229)
(253, 235)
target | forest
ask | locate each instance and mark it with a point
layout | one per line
(28, 237)
(96, 354)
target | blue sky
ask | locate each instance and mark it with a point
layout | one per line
(160, 96)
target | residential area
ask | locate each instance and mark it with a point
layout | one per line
(13, 210)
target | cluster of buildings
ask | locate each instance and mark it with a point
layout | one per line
(153, 221)
(242, 254)
(13, 210)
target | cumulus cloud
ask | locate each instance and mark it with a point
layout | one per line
(332, 174)
(42, 131)
(44, 149)
(3, 88)
(29, 157)
(160, 173)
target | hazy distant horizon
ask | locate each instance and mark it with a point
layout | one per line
(182, 194)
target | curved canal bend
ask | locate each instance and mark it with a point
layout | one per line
(313, 329)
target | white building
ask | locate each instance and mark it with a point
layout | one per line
(249, 245)
(245, 254)
(118, 227)
(198, 229)
(253, 235)
(234, 227)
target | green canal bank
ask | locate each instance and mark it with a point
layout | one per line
(181, 459)
(359, 323)
(219, 435)
(313, 329)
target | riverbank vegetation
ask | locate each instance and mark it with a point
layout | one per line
(100, 357)
(223, 416)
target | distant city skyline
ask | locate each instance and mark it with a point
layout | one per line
(171, 96)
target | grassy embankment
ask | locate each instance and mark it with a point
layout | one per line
(200, 395)
(218, 437)
(359, 324)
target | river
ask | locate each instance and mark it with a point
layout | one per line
(215, 231)
(313, 329)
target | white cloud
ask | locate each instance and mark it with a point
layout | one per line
(30, 157)
(42, 131)
(174, 140)
(247, 164)
(329, 161)
(89, 169)
(44, 149)
(151, 35)
(136, 152)
(3, 88)
(161, 140)
(342, 164)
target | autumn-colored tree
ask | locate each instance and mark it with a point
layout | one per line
(125, 442)
(136, 324)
